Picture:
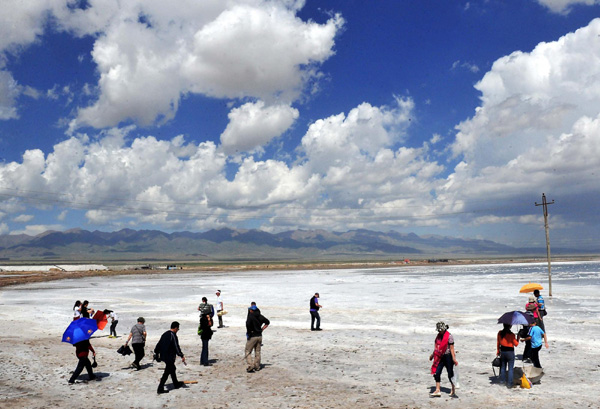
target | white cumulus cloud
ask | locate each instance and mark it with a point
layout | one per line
(564, 6)
(23, 218)
(253, 125)
(537, 129)
(149, 57)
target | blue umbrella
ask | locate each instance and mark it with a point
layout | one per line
(515, 318)
(80, 330)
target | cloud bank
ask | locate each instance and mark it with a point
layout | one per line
(537, 128)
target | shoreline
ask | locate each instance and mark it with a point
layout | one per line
(10, 278)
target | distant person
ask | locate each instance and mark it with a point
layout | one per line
(206, 308)
(314, 313)
(540, 301)
(82, 351)
(523, 335)
(532, 308)
(138, 336)
(113, 323)
(505, 348)
(77, 310)
(536, 335)
(253, 304)
(257, 310)
(255, 325)
(541, 307)
(168, 349)
(220, 309)
(443, 356)
(85, 311)
(206, 333)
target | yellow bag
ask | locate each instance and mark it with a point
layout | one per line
(525, 382)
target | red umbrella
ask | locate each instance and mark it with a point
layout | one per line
(101, 319)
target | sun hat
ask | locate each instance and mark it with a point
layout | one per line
(441, 326)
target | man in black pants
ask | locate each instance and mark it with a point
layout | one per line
(314, 313)
(168, 350)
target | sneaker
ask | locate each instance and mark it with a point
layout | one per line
(249, 369)
(160, 391)
(71, 382)
(318, 329)
(435, 394)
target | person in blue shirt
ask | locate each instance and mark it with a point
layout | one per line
(314, 313)
(541, 308)
(536, 335)
(540, 301)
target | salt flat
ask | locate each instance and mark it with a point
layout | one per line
(379, 327)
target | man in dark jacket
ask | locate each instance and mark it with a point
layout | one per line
(255, 325)
(314, 313)
(168, 350)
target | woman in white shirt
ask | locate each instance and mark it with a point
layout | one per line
(77, 310)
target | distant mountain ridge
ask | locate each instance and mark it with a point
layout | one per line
(236, 244)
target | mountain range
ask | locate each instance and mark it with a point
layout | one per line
(245, 245)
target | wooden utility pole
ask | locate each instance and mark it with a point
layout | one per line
(544, 205)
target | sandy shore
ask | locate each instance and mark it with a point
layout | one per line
(379, 330)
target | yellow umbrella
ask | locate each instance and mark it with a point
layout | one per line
(529, 288)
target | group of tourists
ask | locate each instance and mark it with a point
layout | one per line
(534, 336)
(167, 349)
(443, 355)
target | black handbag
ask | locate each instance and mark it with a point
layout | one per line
(495, 364)
(124, 350)
(95, 364)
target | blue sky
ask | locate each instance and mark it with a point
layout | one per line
(433, 117)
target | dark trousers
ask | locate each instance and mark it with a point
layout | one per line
(540, 323)
(169, 370)
(113, 328)
(527, 351)
(535, 356)
(138, 349)
(445, 361)
(314, 315)
(220, 320)
(204, 354)
(84, 362)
